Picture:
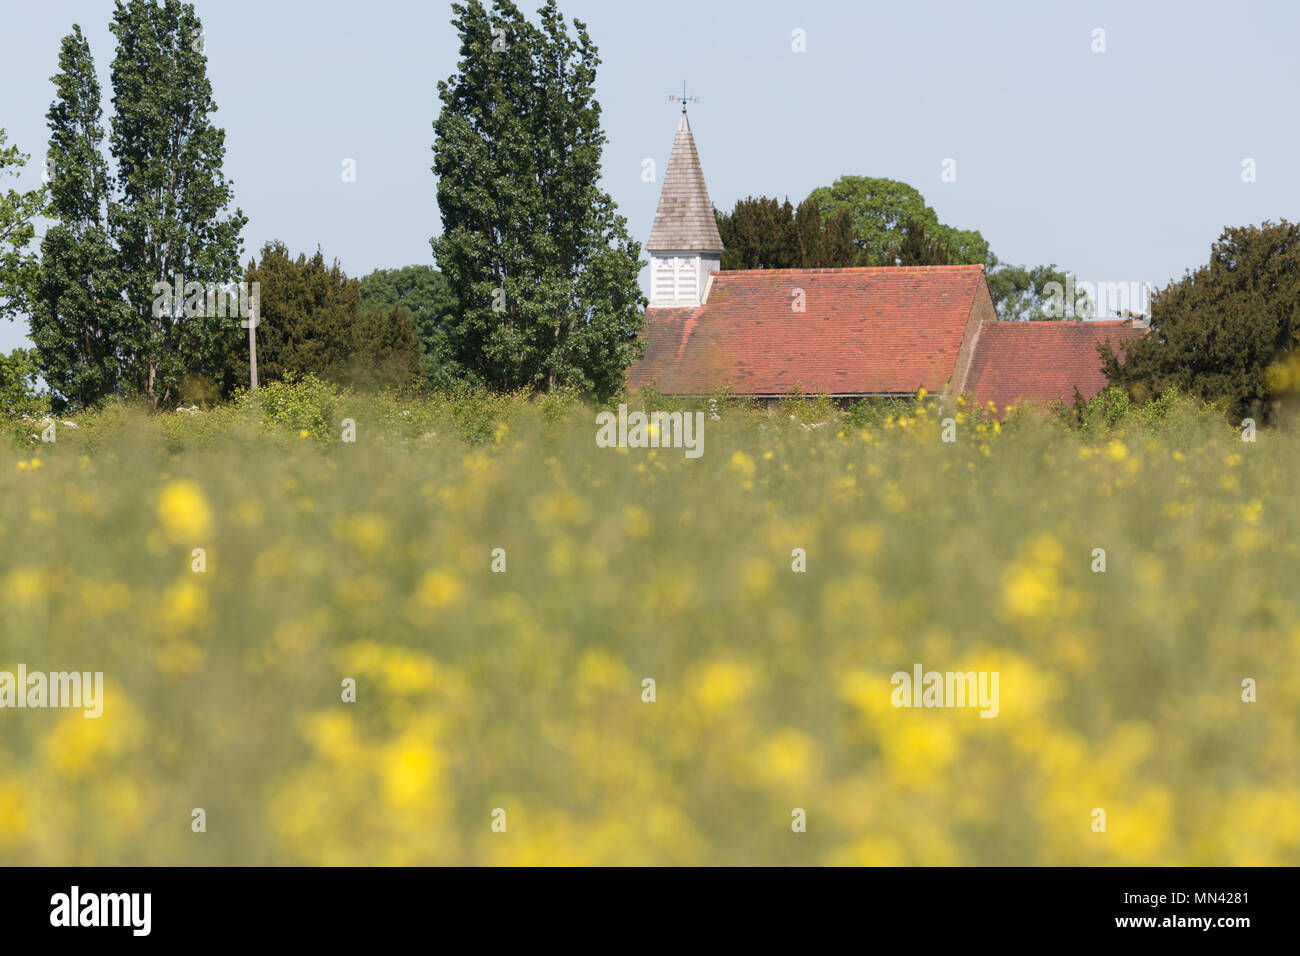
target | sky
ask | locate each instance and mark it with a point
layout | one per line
(1119, 155)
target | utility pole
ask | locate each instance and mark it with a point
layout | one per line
(251, 322)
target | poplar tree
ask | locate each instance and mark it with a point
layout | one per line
(78, 312)
(171, 220)
(536, 255)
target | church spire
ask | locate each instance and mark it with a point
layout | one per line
(684, 244)
(685, 219)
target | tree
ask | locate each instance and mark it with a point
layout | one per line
(924, 245)
(305, 312)
(885, 211)
(759, 233)
(538, 260)
(19, 385)
(1021, 293)
(765, 233)
(171, 222)
(385, 350)
(825, 242)
(423, 291)
(310, 322)
(1216, 332)
(892, 226)
(78, 312)
(17, 210)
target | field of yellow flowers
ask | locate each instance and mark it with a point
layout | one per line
(232, 572)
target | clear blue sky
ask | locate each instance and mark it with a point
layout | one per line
(1122, 166)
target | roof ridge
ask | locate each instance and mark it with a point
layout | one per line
(851, 270)
(1061, 323)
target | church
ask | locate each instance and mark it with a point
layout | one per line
(843, 333)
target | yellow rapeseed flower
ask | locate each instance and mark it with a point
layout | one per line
(1030, 586)
(742, 463)
(439, 588)
(184, 513)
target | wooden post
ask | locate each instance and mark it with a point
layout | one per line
(252, 343)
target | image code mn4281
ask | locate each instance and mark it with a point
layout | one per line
(620, 435)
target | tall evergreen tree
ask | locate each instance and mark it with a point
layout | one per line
(764, 233)
(77, 310)
(825, 242)
(1216, 332)
(307, 310)
(540, 262)
(759, 233)
(310, 322)
(171, 222)
(923, 245)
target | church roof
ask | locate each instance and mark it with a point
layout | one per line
(864, 331)
(684, 220)
(1043, 361)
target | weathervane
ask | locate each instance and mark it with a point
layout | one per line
(673, 97)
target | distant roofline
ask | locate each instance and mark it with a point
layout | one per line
(1056, 323)
(791, 392)
(848, 270)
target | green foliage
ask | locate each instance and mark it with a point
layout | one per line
(758, 233)
(813, 410)
(17, 210)
(1171, 415)
(310, 323)
(1216, 332)
(872, 412)
(299, 405)
(424, 293)
(78, 313)
(892, 225)
(385, 350)
(306, 313)
(1021, 293)
(20, 393)
(476, 413)
(539, 262)
(422, 290)
(171, 221)
(762, 233)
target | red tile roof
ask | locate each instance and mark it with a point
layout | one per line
(865, 331)
(1042, 361)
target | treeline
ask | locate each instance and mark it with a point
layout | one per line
(137, 288)
(864, 221)
(129, 291)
